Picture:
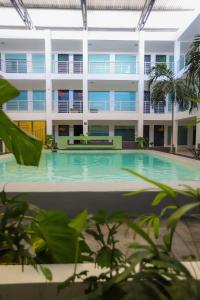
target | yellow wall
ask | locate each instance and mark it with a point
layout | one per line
(36, 128)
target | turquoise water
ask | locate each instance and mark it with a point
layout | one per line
(97, 166)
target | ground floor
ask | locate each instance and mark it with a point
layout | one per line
(157, 132)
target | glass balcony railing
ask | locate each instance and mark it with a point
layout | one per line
(104, 105)
(21, 66)
(65, 106)
(25, 106)
(106, 67)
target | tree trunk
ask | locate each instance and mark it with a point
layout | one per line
(173, 150)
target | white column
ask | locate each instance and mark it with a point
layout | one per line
(30, 101)
(71, 133)
(175, 134)
(112, 101)
(111, 130)
(29, 62)
(112, 63)
(3, 62)
(48, 81)
(71, 100)
(151, 133)
(85, 82)
(141, 83)
(177, 51)
(71, 67)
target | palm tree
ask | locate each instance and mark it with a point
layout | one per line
(163, 82)
(193, 63)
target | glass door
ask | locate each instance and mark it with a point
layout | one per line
(63, 63)
(63, 101)
(78, 63)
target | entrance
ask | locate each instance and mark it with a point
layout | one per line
(146, 132)
(158, 135)
(78, 130)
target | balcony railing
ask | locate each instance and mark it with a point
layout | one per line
(64, 106)
(104, 105)
(25, 106)
(22, 66)
(149, 65)
(105, 67)
(67, 67)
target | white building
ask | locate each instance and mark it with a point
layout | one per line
(94, 80)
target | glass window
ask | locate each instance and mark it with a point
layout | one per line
(38, 63)
(169, 134)
(63, 63)
(16, 63)
(125, 101)
(125, 64)
(39, 97)
(63, 130)
(98, 130)
(78, 95)
(99, 63)
(161, 58)
(63, 101)
(147, 102)
(19, 103)
(182, 135)
(126, 132)
(78, 65)
(99, 101)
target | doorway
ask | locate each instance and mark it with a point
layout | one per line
(158, 135)
(146, 132)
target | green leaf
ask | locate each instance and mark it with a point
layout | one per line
(165, 188)
(61, 240)
(144, 235)
(156, 226)
(80, 222)
(7, 91)
(159, 198)
(46, 272)
(175, 217)
(26, 149)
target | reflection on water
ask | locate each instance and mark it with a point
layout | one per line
(96, 166)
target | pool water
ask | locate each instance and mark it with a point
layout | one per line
(97, 166)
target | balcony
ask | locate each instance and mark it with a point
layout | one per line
(22, 66)
(149, 65)
(105, 67)
(67, 67)
(65, 106)
(95, 106)
(25, 106)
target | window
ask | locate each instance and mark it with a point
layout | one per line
(125, 64)
(39, 100)
(63, 130)
(147, 64)
(78, 100)
(99, 101)
(126, 132)
(63, 101)
(38, 63)
(78, 65)
(19, 103)
(182, 135)
(99, 63)
(16, 63)
(63, 63)
(98, 130)
(147, 103)
(125, 101)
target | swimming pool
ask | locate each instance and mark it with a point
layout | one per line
(97, 166)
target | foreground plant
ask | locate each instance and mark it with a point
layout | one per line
(26, 149)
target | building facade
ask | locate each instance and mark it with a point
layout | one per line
(95, 83)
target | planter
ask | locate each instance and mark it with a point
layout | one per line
(32, 285)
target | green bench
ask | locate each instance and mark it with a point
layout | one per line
(89, 142)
